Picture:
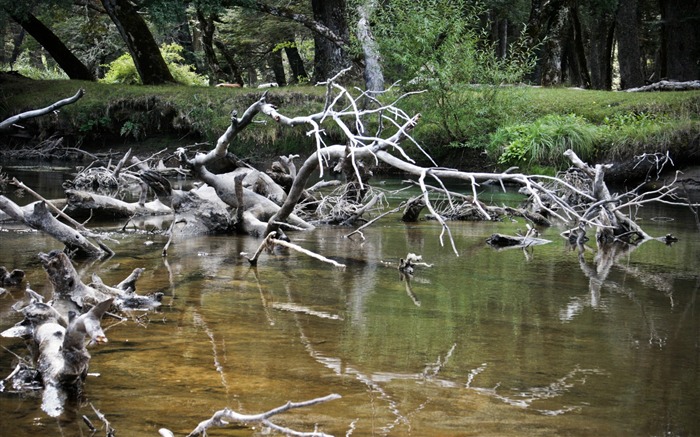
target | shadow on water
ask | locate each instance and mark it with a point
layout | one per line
(488, 343)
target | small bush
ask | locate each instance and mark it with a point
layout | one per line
(48, 70)
(122, 70)
(545, 140)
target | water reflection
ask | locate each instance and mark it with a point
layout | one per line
(487, 343)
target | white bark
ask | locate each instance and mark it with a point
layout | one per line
(12, 121)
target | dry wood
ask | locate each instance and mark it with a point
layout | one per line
(222, 418)
(270, 241)
(12, 121)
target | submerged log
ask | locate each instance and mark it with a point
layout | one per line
(71, 294)
(37, 216)
(501, 241)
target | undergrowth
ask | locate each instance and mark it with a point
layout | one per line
(528, 127)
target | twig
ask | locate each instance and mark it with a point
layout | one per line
(221, 418)
(359, 230)
(109, 431)
(270, 240)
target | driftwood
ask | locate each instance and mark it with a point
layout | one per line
(250, 201)
(57, 345)
(72, 294)
(12, 121)
(407, 265)
(270, 241)
(502, 241)
(668, 85)
(12, 278)
(37, 216)
(86, 203)
(56, 334)
(223, 417)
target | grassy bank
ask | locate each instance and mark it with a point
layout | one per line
(530, 131)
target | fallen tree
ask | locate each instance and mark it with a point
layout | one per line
(237, 198)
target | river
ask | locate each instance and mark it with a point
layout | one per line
(487, 343)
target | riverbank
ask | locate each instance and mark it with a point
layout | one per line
(114, 116)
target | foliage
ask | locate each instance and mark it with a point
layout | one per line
(47, 70)
(626, 133)
(440, 46)
(545, 140)
(203, 113)
(122, 70)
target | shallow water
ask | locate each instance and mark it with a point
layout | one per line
(489, 343)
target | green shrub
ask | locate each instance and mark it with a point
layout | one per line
(122, 70)
(545, 140)
(48, 70)
(440, 46)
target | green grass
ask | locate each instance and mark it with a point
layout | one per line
(598, 125)
(601, 124)
(119, 113)
(595, 106)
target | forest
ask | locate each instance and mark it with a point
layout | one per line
(342, 96)
(602, 44)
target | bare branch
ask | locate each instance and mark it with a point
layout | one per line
(222, 418)
(7, 124)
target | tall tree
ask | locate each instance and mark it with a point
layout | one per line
(629, 53)
(74, 67)
(599, 32)
(207, 27)
(296, 63)
(138, 38)
(539, 25)
(274, 60)
(680, 39)
(583, 77)
(329, 58)
(553, 48)
(234, 70)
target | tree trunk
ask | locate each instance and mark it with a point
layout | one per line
(553, 49)
(277, 67)
(139, 39)
(206, 23)
(580, 50)
(629, 54)
(73, 67)
(374, 77)
(295, 63)
(601, 40)
(17, 41)
(236, 76)
(680, 32)
(329, 58)
(502, 38)
(541, 13)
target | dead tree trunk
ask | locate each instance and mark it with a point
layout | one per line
(37, 216)
(56, 334)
